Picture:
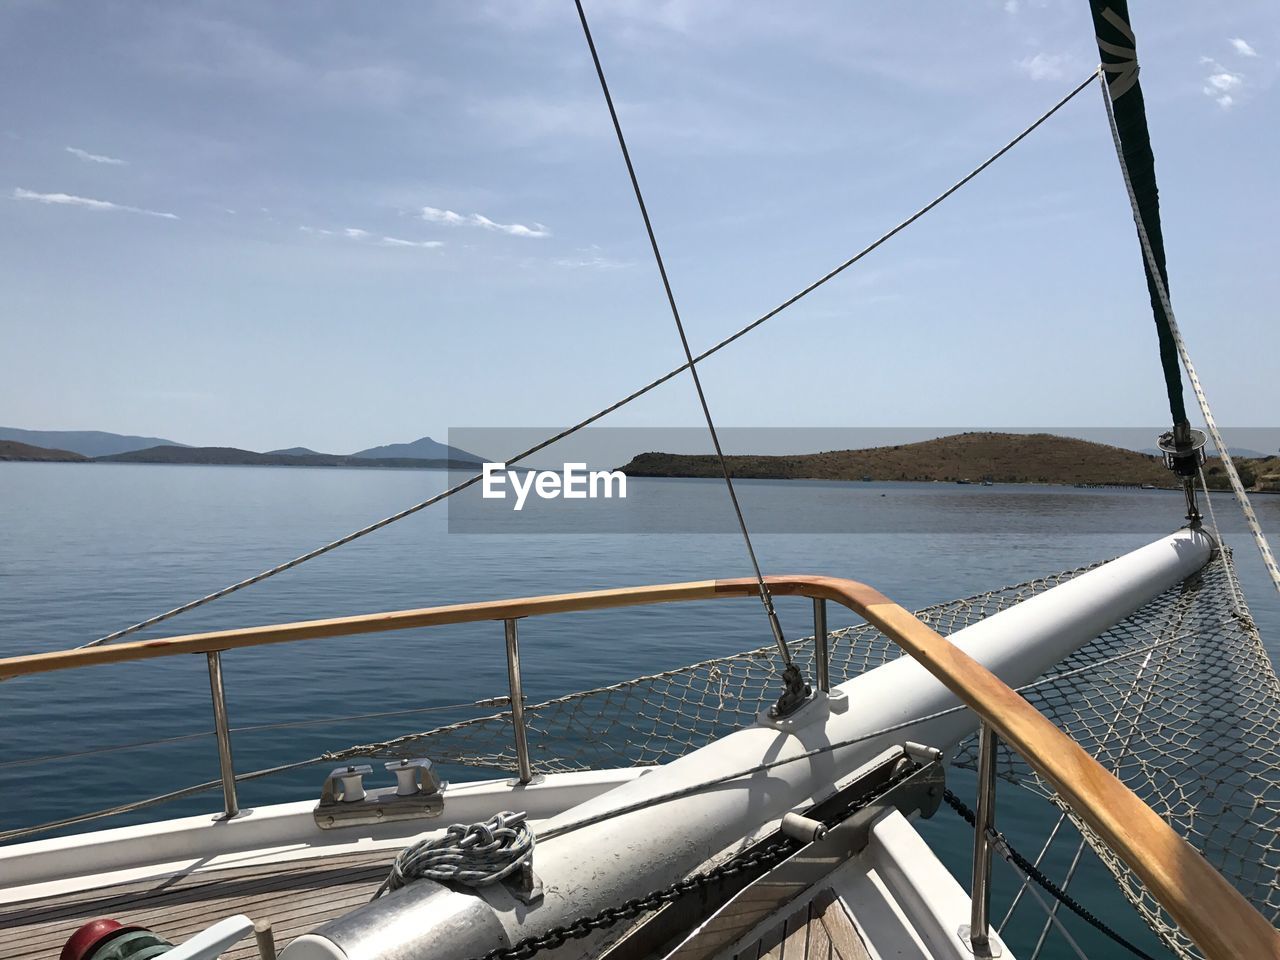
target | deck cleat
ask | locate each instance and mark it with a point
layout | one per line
(344, 800)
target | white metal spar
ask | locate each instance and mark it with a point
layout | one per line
(609, 861)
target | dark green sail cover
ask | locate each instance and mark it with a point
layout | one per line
(1120, 64)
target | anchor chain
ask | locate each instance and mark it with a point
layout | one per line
(767, 855)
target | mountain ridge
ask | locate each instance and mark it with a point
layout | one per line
(100, 443)
(422, 448)
(13, 450)
(87, 443)
(234, 456)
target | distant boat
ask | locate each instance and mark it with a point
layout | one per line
(1149, 486)
(966, 480)
(988, 483)
(866, 479)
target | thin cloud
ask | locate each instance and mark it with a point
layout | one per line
(66, 199)
(591, 258)
(1046, 66)
(424, 244)
(1221, 84)
(364, 236)
(95, 157)
(436, 215)
(1243, 47)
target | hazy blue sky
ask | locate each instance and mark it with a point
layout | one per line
(338, 225)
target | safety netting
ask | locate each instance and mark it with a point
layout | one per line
(1179, 700)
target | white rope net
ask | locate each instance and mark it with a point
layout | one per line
(1179, 700)
(1182, 703)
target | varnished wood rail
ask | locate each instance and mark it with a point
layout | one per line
(1223, 924)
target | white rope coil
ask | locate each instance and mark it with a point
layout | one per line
(475, 855)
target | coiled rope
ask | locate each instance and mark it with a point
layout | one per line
(476, 856)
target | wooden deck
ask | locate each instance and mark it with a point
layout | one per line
(296, 897)
(820, 930)
(300, 895)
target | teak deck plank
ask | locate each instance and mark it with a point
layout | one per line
(830, 914)
(296, 897)
(818, 930)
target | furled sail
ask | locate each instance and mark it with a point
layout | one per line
(1118, 50)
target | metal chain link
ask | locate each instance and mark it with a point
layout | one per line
(759, 856)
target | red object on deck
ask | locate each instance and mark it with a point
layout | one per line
(81, 944)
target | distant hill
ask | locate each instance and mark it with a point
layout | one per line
(296, 452)
(425, 448)
(12, 450)
(232, 456)
(89, 443)
(1002, 457)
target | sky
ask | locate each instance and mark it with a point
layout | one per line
(340, 225)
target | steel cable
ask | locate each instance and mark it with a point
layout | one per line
(586, 422)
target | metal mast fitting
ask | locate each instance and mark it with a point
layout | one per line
(1183, 450)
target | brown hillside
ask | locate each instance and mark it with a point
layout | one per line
(1002, 457)
(12, 450)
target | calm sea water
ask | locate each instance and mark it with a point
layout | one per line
(86, 549)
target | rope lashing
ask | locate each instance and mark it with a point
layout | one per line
(475, 856)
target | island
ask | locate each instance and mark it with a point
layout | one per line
(963, 457)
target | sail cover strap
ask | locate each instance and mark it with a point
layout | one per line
(1118, 50)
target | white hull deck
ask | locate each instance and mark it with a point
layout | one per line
(178, 877)
(295, 895)
(894, 900)
(850, 878)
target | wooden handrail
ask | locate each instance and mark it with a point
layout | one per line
(1223, 924)
(350, 626)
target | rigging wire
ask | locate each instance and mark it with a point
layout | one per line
(766, 597)
(252, 728)
(404, 742)
(600, 414)
(1237, 487)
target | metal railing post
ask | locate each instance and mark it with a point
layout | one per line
(980, 893)
(223, 732)
(524, 771)
(821, 656)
